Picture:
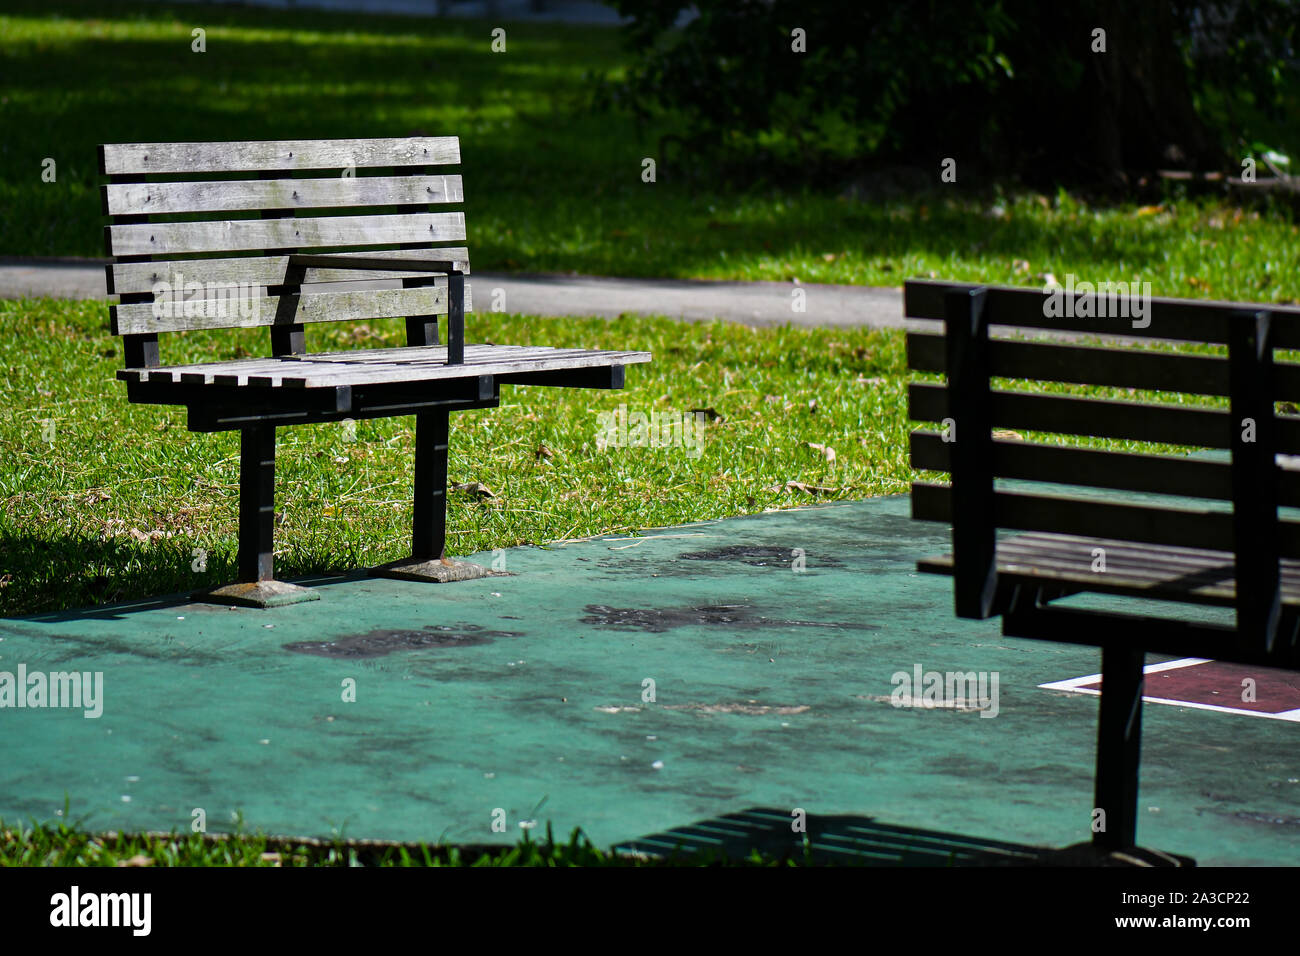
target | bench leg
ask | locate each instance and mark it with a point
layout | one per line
(429, 523)
(1119, 740)
(257, 586)
(256, 504)
(428, 560)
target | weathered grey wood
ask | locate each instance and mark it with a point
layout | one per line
(434, 367)
(135, 158)
(1122, 367)
(1126, 471)
(1184, 574)
(414, 365)
(1101, 418)
(128, 277)
(1182, 320)
(350, 306)
(257, 194)
(1151, 524)
(231, 369)
(234, 235)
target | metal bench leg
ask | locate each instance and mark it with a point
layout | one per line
(256, 504)
(257, 586)
(428, 560)
(429, 524)
(1119, 740)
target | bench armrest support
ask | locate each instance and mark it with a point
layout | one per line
(299, 263)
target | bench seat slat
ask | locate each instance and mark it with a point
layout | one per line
(239, 371)
(346, 306)
(325, 370)
(129, 277)
(235, 235)
(134, 199)
(130, 159)
(1190, 575)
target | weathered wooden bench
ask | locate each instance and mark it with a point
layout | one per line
(1018, 552)
(281, 234)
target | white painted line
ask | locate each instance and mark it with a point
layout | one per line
(1075, 685)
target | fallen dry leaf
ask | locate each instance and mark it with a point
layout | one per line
(801, 486)
(1007, 433)
(826, 451)
(138, 860)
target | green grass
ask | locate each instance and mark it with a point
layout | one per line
(113, 505)
(551, 185)
(64, 844)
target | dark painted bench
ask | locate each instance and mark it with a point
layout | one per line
(282, 234)
(1017, 553)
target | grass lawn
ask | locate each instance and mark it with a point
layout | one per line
(101, 500)
(551, 185)
(68, 845)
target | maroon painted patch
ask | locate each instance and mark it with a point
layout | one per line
(1220, 684)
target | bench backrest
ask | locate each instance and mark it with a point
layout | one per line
(217, 222)
(1239, 365)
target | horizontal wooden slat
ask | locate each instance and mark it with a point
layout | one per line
(1174, 319)
(179, 238)
(352, 305)
(1180, 527)
(1101, 418)
(337, 191)
(1122, 367)
(381, 366)
(1194, 575)
(137, 158)
(1091, 467)
(130, 277)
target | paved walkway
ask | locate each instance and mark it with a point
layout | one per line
(748, 303)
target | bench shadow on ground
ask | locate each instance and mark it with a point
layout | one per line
(860, 841)
(98, 579)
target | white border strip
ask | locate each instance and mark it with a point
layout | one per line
(1075, 685)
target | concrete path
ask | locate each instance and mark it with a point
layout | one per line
(747, 303)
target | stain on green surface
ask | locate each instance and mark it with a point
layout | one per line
(381, 643)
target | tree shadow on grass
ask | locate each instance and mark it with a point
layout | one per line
(550, 185)
(75, 577)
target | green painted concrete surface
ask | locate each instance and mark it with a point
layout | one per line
(526, 694)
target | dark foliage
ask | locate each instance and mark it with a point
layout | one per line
(1011, 86)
